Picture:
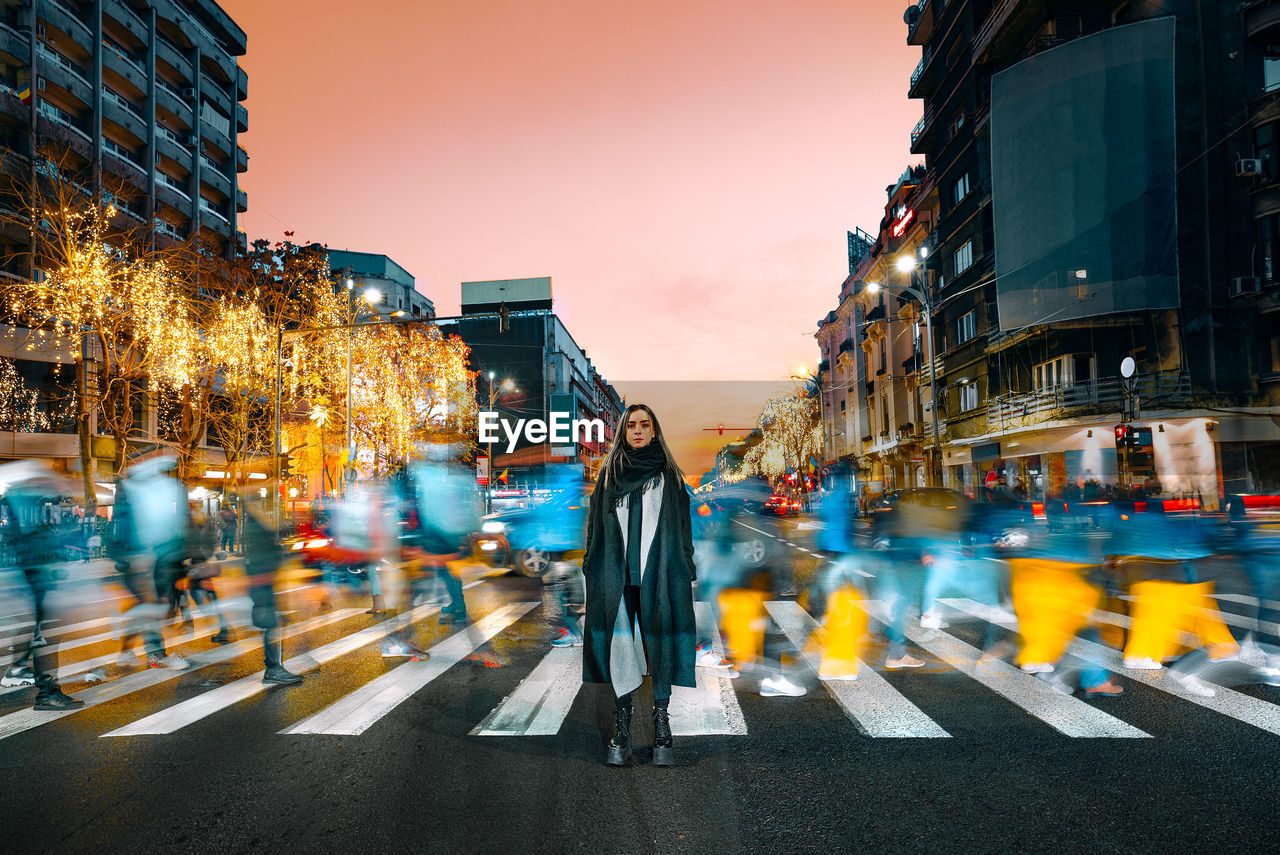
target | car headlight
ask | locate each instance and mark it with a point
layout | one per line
(316, 544)
(493, 527)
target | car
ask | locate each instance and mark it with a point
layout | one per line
(780, 505)
(944, 514)
(514, 537)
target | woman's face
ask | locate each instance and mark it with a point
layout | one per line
(639, 429)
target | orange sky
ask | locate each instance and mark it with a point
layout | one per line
(684, 171)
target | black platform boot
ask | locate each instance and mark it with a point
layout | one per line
(619, 749)
(663, 752)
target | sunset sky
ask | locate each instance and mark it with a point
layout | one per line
(684, 171)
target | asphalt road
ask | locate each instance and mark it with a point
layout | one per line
(796, 775)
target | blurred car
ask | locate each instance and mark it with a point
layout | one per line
(937, 513)
(514, 538)
(780, 505)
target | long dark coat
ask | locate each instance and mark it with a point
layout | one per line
(667, 621)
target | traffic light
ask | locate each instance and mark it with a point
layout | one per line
(285, 464)
(504, 318)
(1124, 436)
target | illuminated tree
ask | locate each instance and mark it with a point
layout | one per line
(790, 434)
(99, 288)
(410, 384)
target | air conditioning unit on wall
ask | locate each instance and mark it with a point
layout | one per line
(1249, 167)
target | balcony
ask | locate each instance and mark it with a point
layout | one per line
(14, 43)
(173, 185)
(171, 54)
(1003, 29)
(242, 159)
(242, 201)
(216, 180)
(116, 58)
(242, 119)
(216, 92)
(846, 346)
(1015, 409)
(57, 60)
(877, 313)
(127, 18)
(126, 119)
(921, 79)
(171, 146)
(175, 104)
(63, 18)
(242, 84)
(57, 74)
(922, 133)
(1262, 15)
(919, 30)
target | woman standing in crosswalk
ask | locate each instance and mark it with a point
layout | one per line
(639, 575)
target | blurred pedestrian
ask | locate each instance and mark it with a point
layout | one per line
(228, 519)
(152, 518)
(263, 557)
(639, 572)
(28, 491)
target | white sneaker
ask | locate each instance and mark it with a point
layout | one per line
(174, 662)
(780, 685)
(97, 675)
(837, 678)
(708, 658)
(1142, 663)
(1193, 685)
(1038, 667)
(932, 621)
(400, 650)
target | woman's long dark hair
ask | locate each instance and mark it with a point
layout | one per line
(612, 464)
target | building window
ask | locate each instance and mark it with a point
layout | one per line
(963, 258)
(961, 189)
(969, 396)
(1271, 68)
(884, 415)
(955, 125)
(1275, 354)
(967, 326)
(884, 358)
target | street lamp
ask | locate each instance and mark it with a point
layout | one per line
(508, 385)
(907, 264)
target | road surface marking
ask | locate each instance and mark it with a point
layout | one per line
(24, 720)
(711, 707)
(361, 709)
(878, 709)
(1250, 710)
(1065, 713)
(190, 711)
(540, 704)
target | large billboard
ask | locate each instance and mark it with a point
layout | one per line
(1084, 178)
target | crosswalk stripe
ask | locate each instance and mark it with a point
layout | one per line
(876, 707)
(1065, 713)
(24, 720)
(188, 712)
(357, 712)
(540, 704)
(1245, 708)
(711, 707)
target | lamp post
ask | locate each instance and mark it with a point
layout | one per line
(906, 264)
(507, 386)
(370, 296)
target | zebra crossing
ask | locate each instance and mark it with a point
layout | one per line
(540, 702)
